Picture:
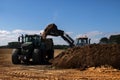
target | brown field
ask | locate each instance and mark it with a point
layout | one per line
(8, 71)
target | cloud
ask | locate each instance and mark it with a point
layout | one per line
(17, 31)
(109, 34)
(90, 34)
(69, 33)
(9, 36)
(41, 31)
(4, 32)
(95, 36)
(59, 41)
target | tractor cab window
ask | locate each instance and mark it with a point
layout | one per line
(37, 40)
(29, 39)
(82, 41)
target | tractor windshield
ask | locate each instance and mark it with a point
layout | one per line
(29, 39)
(35, 39)
(82, 41)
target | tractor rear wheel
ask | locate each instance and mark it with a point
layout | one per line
(50, 54)
(15, 56)
(36, 57)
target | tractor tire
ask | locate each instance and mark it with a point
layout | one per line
(50, 54)
(36, 57)
(15, 56)
(26, 62)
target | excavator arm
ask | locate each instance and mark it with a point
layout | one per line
(52, 30)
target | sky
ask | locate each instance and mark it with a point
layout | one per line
(94, 18)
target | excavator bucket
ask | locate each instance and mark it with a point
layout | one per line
(51, 29)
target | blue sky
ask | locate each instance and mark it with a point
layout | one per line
(94, 18)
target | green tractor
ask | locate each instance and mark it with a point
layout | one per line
(32, 49)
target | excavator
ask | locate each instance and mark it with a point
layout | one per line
(38, 49)
(52, 30)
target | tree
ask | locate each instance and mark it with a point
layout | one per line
(104, 40)
(115, 39)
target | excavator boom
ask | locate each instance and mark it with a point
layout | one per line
(52, 30)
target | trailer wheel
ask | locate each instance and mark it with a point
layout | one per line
(15, 56)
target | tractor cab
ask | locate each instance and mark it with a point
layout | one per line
(30, 39)
(81, 41)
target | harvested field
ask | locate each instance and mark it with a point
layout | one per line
(8, 71)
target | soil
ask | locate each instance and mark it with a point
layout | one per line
(94, 55)
(9, 71)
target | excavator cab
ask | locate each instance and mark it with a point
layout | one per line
(82, 41)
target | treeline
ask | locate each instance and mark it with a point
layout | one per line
(113, 39)
(5, 46)
(15, 45)
(61, 46)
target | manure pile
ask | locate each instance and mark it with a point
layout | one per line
(93, 55)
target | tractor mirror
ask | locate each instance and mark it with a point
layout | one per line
(18, 39)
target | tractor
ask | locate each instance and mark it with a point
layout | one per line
(32, 49)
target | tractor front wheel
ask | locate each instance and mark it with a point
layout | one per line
(15, 56)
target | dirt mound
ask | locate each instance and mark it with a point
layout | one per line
(89, 56)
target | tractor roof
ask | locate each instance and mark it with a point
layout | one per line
(32, 35)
